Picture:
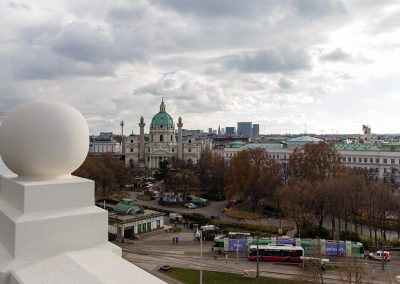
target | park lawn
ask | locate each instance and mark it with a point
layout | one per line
(191, 276)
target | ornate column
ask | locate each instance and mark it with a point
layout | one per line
(141, 143)
(180, 146)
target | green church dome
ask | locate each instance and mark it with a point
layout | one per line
(162, 120)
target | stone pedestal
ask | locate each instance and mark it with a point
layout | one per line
(40, 218)
(54, 215)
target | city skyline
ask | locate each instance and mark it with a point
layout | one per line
(327, 65)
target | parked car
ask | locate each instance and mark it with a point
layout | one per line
(190, 205)
(378, 255)
(209, 228)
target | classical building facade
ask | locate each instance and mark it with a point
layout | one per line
(163, 143)
(381, 161)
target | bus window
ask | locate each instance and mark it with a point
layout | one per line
(298, 253)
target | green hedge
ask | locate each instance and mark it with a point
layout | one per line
(261, 230)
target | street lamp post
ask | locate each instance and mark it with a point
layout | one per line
(237, 251)
(258, 262)
(201, 257)
(383, 250)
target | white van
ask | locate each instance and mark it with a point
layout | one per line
(175, 217)
(209, 228)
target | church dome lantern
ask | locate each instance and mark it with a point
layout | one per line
(162, 120)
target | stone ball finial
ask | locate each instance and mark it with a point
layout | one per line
(44, 138)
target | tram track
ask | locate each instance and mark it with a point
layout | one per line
(147, 255)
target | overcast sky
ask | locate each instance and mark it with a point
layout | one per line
(330, 65)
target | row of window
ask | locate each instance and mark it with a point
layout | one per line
(102, 149)
(272, 156)
(146, 227)
(172, 150)
(376, 170)
(162, 139)
(143, 228)
(370, 160)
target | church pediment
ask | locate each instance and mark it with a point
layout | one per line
(160, 152)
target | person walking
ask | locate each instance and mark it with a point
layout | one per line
(173, 240)
(176, 240)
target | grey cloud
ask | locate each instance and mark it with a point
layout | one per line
(286, 83)
(241, 9)
(133, 11)
(18, 6)
(190, 96)
(281, 59)
(338, 55)
(318, 8)
(211, 8)
(386, 24)
(43, 65)
(81, 42)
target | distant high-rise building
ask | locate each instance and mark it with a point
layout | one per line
(256, 130)
(210, 130)
(244, 128)
(229, 130)
(222, 130)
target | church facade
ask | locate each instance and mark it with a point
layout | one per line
(163, 143)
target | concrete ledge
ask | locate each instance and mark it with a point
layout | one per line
(86, 267)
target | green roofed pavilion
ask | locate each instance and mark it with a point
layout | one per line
(128, 206)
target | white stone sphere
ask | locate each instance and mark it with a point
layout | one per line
(44, 138)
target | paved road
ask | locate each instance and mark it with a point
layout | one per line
(215, 208)
(153, 252)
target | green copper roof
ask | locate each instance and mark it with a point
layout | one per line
(236, 144)
(162, 120)
(390, 147)
(306, 139)
(127, 206)
(263, 145)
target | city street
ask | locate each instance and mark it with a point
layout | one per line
(155, 251)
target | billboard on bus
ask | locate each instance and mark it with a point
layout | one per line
(331, 248)
(237, 245)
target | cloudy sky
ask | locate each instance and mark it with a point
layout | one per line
(328, 64)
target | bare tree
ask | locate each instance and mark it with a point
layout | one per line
(252, 174)
(353, 270)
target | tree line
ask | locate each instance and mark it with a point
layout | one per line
(315, 188)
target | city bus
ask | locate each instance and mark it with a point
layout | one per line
(277, 253)
(310, 246)
(317, 246)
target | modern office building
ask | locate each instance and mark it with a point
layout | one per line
(256, 130)
(244, 128)
(230, 130)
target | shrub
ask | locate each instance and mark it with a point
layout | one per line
(350, 236)
(311, 231)
(255, 229)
